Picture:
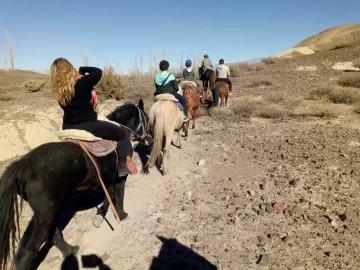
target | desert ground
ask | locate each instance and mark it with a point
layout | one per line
(269, 182)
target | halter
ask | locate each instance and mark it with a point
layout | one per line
(142, 125)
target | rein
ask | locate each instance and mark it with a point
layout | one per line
(101, 181)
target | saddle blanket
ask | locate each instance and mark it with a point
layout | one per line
(97, 148)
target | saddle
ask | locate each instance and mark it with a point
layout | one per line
(169, 97)
(95, 145)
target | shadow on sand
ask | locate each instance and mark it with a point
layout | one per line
(176, 256)
(88, 261)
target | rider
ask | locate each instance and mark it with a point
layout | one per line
(75, 94)
(222, 74)
(205, 64)
(189, 74)
(165, 82)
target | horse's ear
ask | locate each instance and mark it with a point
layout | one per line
(141, 104)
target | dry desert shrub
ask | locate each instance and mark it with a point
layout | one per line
(34, 85)
(111, 84)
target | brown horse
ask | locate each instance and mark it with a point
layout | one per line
(181, 89)
(193, 101)
(221, 89)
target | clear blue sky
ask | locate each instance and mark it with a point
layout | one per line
(118, 31)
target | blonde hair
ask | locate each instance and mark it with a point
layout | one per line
(63, 76)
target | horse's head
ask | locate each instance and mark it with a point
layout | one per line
(134, 118)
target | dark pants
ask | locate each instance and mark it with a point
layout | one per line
(108, 131)
(225, 80)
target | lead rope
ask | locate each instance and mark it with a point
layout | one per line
(101, 182)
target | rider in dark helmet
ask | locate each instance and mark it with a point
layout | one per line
(189, 74)
(165, 82)
(222, 74)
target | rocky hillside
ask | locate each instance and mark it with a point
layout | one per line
(333, 38)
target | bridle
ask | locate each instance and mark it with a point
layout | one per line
(143, 125)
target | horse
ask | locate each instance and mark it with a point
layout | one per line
(181, 89)
(193, 101)
(221, 89)
(208, 76)
(165, 117)
(49, 174)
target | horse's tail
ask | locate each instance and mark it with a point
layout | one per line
(12, 182)
(212, 79)
(158, 137)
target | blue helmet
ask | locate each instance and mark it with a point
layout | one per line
(188, 63)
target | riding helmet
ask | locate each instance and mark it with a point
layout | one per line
(188, 63)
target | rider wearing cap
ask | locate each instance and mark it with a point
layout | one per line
(189, 74)
(222, 74)
(205, 64)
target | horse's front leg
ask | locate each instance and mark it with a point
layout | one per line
(116, 192)
(194, 116)
(119, 196)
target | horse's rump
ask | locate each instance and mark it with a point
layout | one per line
(166, 97)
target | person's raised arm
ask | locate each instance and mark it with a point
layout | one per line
(93, 77)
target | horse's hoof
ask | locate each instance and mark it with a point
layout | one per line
(123, 215)
(73, 250)
(97, 220)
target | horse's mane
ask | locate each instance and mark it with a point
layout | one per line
(122, 112)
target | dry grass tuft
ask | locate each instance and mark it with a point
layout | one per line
(337, 94)
(258, 107)
(260, 83)
(111, 84)
(239, 69)
(268, 60)
(356, 108)
(323, 110)
(350, 80)
(357, 64)
(3, 92)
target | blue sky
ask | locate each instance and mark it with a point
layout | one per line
(117, 31)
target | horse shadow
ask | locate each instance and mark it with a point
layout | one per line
(79, 201)
(173, 255)
(88, 261)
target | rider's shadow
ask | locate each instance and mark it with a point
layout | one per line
(88, 261)
(176, 256)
